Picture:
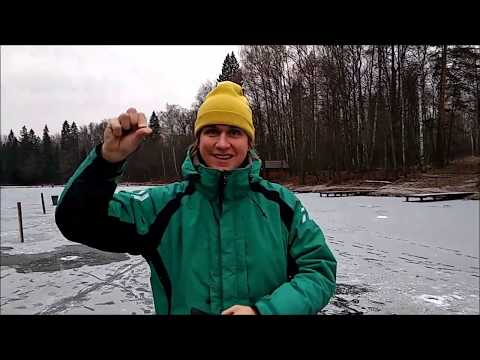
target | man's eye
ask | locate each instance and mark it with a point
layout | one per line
(210, 132)
(235, 132)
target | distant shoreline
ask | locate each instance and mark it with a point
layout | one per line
(459, 176)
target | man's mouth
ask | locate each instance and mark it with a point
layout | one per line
(223, 156)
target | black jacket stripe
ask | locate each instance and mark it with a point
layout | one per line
(286, 214)
(156, 233)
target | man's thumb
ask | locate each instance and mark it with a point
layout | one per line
(143, 132)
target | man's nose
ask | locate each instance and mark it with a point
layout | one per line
(223, 142)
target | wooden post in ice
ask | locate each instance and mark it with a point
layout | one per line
(20, 224)
(43, 203)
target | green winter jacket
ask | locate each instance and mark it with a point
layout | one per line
(213, 240)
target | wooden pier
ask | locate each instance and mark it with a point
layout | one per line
(337, 193)
(439, 196)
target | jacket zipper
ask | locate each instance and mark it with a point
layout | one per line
(222, 182)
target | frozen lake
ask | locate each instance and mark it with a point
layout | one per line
(394, 257)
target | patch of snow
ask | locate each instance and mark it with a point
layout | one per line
(69, 258)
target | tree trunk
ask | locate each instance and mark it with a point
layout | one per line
(440, 152)
(422, 109)
(175, 160)
(401, 111)
(393, 108)
(452, 118)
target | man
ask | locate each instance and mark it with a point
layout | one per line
(221, 241)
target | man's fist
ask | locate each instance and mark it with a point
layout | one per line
(123, 135)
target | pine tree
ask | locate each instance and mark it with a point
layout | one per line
(24, 148)
(34, 141)
(28, 169)
(24, 138)
(66, 163)
(10, 158)
(236, 72)
(225, 70)
(48, 164)
(74, 143)
(230, 70)
(65, 135)
(154, 124)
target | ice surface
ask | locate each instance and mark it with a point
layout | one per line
(394, 257)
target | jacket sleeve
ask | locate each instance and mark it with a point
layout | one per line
(314, 283)
(89, 211)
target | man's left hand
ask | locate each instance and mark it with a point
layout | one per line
(239, 310)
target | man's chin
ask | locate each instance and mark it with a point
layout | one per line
(221, 165)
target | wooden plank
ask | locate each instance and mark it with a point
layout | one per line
(43, 203)
(439, 196)
(344, 193)
(443, 194)
(20, 221)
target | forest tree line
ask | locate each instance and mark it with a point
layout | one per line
(323, 109)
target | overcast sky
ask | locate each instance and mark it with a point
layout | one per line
(50, 84)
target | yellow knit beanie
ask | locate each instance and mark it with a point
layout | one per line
(226, 105)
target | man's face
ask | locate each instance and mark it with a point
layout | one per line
(223, 147)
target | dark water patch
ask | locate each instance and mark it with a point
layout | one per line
(74, 256)
(360, 247)
(5, 248)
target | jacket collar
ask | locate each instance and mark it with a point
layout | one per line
(235, 183)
